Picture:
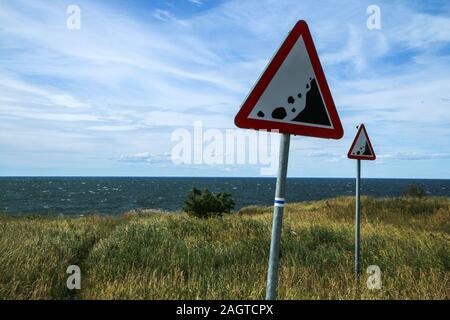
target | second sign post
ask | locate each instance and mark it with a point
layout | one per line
(361, 149)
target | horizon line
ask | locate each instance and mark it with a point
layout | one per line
(207, 177)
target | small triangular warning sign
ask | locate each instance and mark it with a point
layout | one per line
(292, 94)
(361, 147)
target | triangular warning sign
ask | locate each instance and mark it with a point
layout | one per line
(292, 94)
(361, 147)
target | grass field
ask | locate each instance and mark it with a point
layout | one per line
(153, 255)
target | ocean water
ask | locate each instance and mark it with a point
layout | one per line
(78, 195)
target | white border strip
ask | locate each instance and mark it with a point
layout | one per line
(279, 202)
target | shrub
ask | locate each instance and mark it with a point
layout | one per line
(415, 191)
(204, 204)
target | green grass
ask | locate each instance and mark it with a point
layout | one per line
(154, 255)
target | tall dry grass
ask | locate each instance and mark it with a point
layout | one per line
(173, 256)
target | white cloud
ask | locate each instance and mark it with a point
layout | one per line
(119, 74)
(196, 2)
(415, 156)
(145, 157)
(166, 16)
(424, 31)
(15, 90)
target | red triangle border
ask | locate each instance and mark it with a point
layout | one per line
(349, 154)
(242, 120)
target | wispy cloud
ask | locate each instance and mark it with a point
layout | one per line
(122, 83)
(166, 16)
(196, 2)
(145, 157)
(415, 156)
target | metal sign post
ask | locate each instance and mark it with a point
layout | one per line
(291, 96)
(358, 222)
(361, 149)
(272, 274)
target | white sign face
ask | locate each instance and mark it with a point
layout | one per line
(361, 147)
(293, 95)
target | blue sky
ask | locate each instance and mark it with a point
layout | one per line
(104, 100)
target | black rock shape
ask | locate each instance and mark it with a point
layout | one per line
(367, 152)
(314, 112)
(261, 114)
(279, 113)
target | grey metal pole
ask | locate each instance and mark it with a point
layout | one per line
(272, 274)
(357, 222)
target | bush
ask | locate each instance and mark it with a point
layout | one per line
(415, 191)
(204, 204)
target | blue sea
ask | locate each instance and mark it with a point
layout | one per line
(81, 195)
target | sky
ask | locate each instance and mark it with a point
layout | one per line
(105, 99)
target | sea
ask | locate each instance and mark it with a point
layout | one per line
(114, 195)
